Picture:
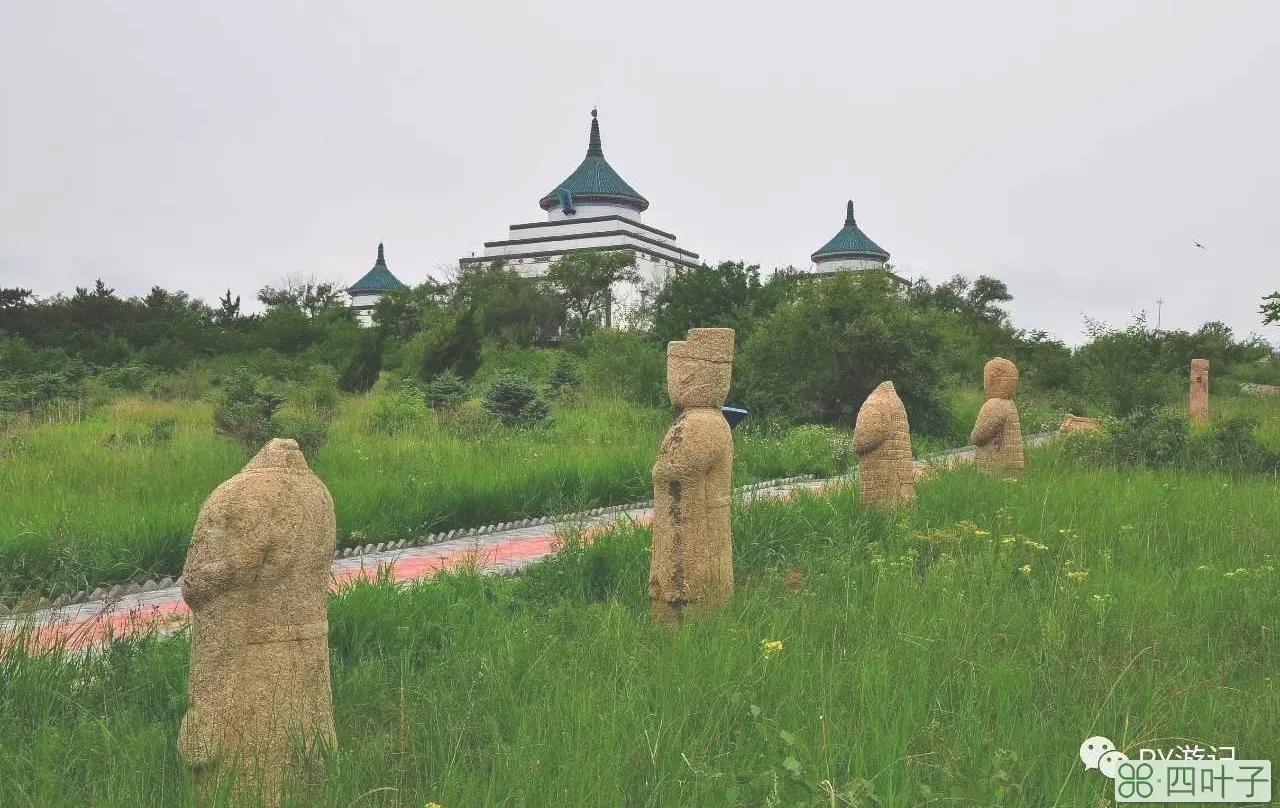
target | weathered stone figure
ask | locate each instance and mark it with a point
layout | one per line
(997, 434)
(256, 578)
(692, 566)
(1199, 407)
(882, 439)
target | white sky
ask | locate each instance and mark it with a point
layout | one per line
(1073, 149)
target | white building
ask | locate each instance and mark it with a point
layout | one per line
(592, 209)
(366, 292)
(849, 249)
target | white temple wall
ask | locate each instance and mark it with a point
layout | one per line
(557, 213)
(572, 227)
(848, 263)
(614, 242)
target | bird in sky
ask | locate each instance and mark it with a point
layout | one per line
(1198, 244)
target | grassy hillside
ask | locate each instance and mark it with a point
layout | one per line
(956, 655)
(113, 496)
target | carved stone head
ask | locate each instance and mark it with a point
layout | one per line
(999, 378)
(700, 367)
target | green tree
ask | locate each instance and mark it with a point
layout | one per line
(510, 309)
(706, 297)
(1270, 309)
(366, 363)
(451, 342)
(583, 280)
(816, 358)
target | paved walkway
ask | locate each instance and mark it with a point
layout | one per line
(86, 625)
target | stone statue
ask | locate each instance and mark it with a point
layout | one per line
(256, 578)
(882, 439)
(692, 564)
(1199, 407)
(997, 435)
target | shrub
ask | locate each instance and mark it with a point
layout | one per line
(362, 370)
(626, 365)
(565, 374)
(244, 412)
(320, 393)
(446, 390)
(1149, 437)
(395, 412)
(160, 431)
(469, 421)
(132, 378)
(308, 429)
(1230, 445)
(515, 402)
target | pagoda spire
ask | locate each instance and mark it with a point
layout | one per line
(593, 143)
(382, 261)
(848, 216)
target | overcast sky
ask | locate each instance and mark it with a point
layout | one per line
(1073, 149)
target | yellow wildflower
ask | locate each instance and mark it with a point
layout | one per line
(982, 532)
(1026, 569)
(433, 805)
(770, 647)
(1077, 575)
(1008, 539)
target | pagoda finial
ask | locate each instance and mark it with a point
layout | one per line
(593, 144)
(380, 260)
(848, 216)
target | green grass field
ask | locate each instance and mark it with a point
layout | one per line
(82, 508)
(957, 655)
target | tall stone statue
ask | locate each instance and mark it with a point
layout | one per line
(997, 435)
(1199, 406)
(256, 578)
(692, 566)
(882, 439)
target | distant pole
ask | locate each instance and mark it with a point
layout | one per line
(1159, 310)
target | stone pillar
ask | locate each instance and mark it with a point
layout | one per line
(1199, 405)
(997, 434)
(692, 563)
(882, 439)
(256, 578)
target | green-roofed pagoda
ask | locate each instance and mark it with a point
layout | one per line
(850, 249)
(593, 208)
(366, 292)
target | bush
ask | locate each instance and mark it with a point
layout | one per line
(244, 412)
(308, 429)
(362, 370)
(515, 402)
(131, 378)
(320, 392)
(1230, 445)
(1149, 437)
(395, 412)
(446, 390)
(565, 374)
(625, 365)
(469, 421)
(1163, 439)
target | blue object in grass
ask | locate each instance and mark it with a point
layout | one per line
(734, 415)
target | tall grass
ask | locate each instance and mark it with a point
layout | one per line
(956, 655)
(79, 508)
